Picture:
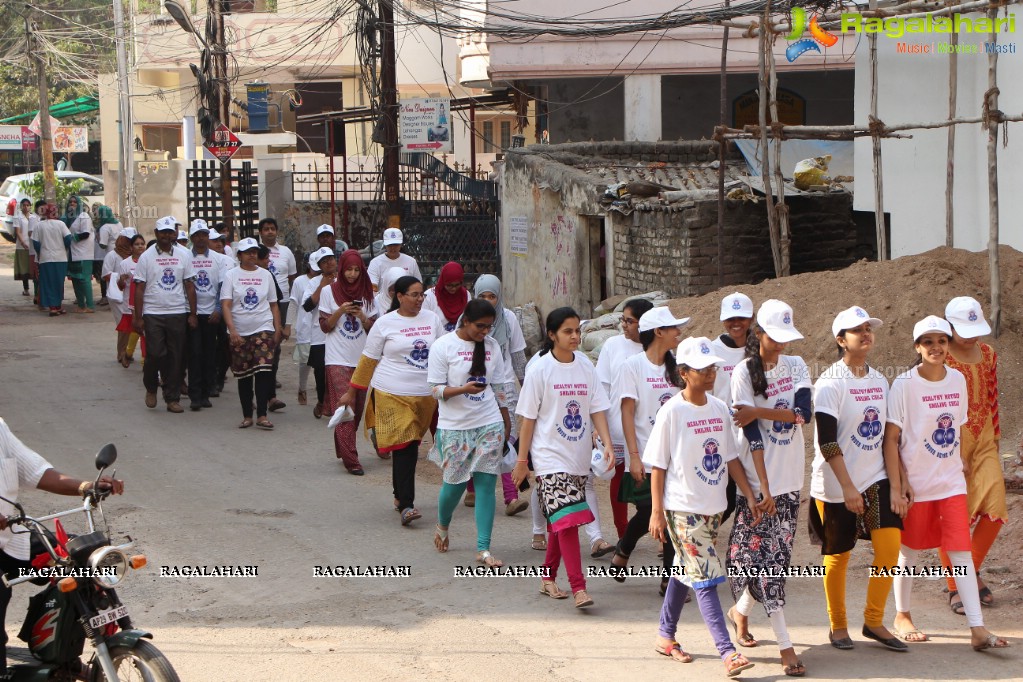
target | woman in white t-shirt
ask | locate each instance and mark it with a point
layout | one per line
(79, 223)
(249, 301)
(24, 222)
(771, 394)
(448, 297)
(613, 355)
(400, 407)
(927, 409)
(346, 314)
(561, 405)
(465, 374)
(853, 480)
(691, 453)
(645, 382)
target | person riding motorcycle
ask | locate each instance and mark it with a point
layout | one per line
(21, 466)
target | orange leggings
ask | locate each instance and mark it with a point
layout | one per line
(984, 534)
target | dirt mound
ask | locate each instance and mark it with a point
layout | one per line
(901, 292)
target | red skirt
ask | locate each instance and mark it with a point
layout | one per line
(125, 325)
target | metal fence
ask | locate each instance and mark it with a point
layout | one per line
(203, 187)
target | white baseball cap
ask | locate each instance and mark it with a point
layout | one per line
(966, 315)
(393, 235)
(319, 254)
(198, 225)
(931, 324)
(736, 305)
(128, 233)
(655, 318)
(167, 223)
(850, 318)
(325, 228)
(775, 318)
(182, 235)
(216, 235)
(696, 352)
(246, 244)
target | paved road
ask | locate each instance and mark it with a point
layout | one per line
(201, 492)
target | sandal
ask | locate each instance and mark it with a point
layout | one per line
(992, 642)
(550, 589)
(670, 649)
(797, 670)
(747, 640)
(736, 663)
(126, 361)
(582, 600)
(246, 423)
(955, 603)
(488, 559)
(539, 542)
(409, 515)
(985, 593)
(911, 636)
(618, 575)
(265, 423)
(440, 539)
(302, 399)
(600, 548)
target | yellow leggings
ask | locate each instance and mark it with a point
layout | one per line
(133, 339)
(886, 553)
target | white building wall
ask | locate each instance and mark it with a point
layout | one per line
(913, 88)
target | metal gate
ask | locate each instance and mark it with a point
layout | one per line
(203, 186)
(449, 216)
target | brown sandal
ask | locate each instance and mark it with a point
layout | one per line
(550, 588)
(246, 423)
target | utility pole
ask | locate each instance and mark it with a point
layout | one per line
(126, 129)
(220, 95)
(45, 134)
(389, 105)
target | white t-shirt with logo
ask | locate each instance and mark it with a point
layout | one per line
(693, 444)
(127, 267)
(164, 275)
(282, 265)
(106, 239)
(450, 360)
(82, 250)
(931, 415)
(860, 406)
(644, 382)
(430, 303)
(316, 335)
(250, 293)
(783, 441)
(731, 357)
(298, 317)
(402, 345)
(613, 355)
(381, 264)
(208, 275)
(561, 396)
(345, 344)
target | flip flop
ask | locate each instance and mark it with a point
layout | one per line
(539, 543)
(747, 640)
(246, 423)
(600, 548)
(905, 636)
(440, 539)
(488, 559)
(669, 651)
(992, 642)
(797, 670)
(265, 424)
(736, 663)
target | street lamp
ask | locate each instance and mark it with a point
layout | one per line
(180, 15)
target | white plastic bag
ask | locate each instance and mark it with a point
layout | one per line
(509, 460)
(341, 414)
(114, 292)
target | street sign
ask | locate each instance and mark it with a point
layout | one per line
(224, 144)
(10, 139)
(425, 126)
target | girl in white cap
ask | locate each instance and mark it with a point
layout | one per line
(771, 394)
(853, 481)
(985, 485)
(561, 405)
(690, 449)
(645, 383)
(927, 409)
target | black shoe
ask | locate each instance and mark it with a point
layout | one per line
(843, 643)
(357, 472)
(892, 643)
(195, 406)
(215, 393)
(206, 402)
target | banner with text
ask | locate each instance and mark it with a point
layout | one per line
(425, 125)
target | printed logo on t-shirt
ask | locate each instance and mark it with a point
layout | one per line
(449, 326)
(251, 299)
(167, 280)
(781, 432)
(573, 421)
(712, 471)
(420, 354)
(944, 437)
(350, 327)
(272, 268)
(868, 429)
(202, 280)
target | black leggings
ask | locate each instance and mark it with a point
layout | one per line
(637, 527)
(317, 360)
(264, 384)
(403, 474)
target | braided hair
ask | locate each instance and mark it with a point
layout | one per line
(754, 363)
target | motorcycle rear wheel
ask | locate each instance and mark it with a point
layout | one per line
(141, 663)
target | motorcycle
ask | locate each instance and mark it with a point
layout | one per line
(82, 604)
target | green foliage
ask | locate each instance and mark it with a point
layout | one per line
(65, 190)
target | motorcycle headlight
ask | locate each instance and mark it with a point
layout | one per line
(109, 566)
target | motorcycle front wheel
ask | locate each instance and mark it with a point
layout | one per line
(140, 663)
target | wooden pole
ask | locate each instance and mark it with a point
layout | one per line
(45, 134)
(765, 150)
(722, 150)
(953, 88)
(389, 107)
(991, 111)
(784, 240)
(879, 225)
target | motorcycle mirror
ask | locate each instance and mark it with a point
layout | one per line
(106, 456)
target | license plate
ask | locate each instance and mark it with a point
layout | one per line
(108, 616)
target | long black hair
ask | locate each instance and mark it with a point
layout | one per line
(402, 286)
(638, 306)
(754, 363)
(555, 319)
(475, 310)
(670, 369)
